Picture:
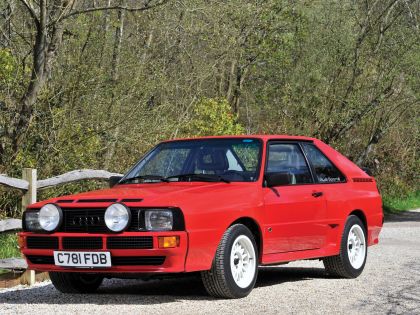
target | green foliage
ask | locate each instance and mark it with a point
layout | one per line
(343, 71)
(8, 246)
(213, 117)
(7, 66)
(397, 204)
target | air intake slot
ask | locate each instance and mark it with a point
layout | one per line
(95, 200)
(65, 201)
(82, 242)
(130, 242)
(362, 180)
(42, 242)
(131, 200)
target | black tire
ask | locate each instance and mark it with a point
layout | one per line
(340, 266)
(67, 282)
(219, 281)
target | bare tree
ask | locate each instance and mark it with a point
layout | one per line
(49, 19)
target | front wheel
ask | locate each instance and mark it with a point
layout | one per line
(353, 251)
(235, 266)
(69, 282)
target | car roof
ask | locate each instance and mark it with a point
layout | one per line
(262, 137)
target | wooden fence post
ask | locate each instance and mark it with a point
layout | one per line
(29, 174)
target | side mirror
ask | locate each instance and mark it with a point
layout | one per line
(367, 170)
(277, 179)
(113, 180)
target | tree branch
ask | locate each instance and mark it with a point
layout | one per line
(145, 7)
(31, 11)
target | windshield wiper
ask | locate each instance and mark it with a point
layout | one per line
(202, 177)
(145, 178)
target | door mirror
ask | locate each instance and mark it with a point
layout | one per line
(113, 180)
(278, 179)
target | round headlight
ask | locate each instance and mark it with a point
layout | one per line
(50, 217)
(117, 217)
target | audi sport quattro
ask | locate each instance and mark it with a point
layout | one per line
(221, 206)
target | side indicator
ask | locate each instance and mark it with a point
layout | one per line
(168, 241)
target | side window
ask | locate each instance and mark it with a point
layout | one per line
(325, 171)
(288, 163)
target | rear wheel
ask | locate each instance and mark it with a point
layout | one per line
(353, 251)
(67, 282)
(235, 266)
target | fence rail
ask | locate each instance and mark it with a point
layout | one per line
(17, 183)
(10, 225)
(70, 177)
(29, 185)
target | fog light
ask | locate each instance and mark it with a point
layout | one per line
(168, 241)
(21, 241)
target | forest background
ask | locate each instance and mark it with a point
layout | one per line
(96, 84)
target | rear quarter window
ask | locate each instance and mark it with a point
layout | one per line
(324, 171)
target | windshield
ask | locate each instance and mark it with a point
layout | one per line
(227, 160)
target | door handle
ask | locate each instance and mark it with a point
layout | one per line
(317, 194)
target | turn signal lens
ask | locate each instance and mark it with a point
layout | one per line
(168, 241)
(21, 241)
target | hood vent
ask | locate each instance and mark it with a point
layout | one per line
(132, 200)
(95, 200)
(99, 200)
(65, 201)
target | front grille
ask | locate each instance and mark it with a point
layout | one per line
(130, 242)
(92, 220)
(41, 260)
(43, 242)
(137, 261)
(84, 220)
(137, 220)
(82, 243)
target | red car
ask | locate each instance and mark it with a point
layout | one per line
(219, 205)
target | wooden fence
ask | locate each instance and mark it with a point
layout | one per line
(29, 186)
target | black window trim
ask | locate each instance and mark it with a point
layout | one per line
(328, 159)
(298, 143)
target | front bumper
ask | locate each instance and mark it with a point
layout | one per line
(128, 260)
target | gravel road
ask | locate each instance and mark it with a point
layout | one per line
(389, 284)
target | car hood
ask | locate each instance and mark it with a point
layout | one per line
(174, 194)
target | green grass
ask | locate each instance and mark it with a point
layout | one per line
(395, 204)
(9, 246)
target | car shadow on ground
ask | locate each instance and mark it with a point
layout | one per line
(132, 291)
(406, 216)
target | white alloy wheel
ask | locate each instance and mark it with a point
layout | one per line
(356, 246)
(242, 261)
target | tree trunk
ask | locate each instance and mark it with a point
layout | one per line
(23, 116)
(114, 77)
(374, 140)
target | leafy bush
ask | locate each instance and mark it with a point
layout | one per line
(213, 117)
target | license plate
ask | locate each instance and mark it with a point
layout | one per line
(82, 259)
